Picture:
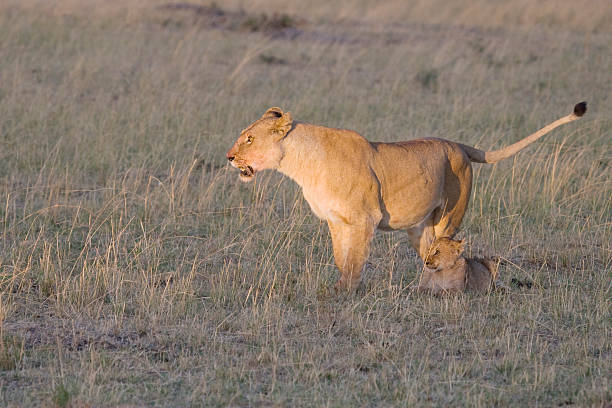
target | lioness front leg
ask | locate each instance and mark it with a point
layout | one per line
(351, 249)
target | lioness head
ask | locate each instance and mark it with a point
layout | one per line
(444, 253)
(258, 146)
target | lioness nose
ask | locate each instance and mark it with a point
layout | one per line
(229, 156)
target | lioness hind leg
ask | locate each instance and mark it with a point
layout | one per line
(445, 222)
(351, 249)
(457, 189)
(422, 236)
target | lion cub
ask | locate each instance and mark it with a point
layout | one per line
(448, 270)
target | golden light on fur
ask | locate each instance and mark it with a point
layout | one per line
(447, 270)
(421, 186)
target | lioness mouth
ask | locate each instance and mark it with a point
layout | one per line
(247, 172)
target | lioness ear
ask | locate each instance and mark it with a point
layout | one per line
(273, 113)
(283, 125)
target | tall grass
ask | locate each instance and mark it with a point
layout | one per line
(136, 269)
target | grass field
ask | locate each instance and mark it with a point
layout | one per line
(136, 269)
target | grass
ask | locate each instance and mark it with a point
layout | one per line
(136, 270)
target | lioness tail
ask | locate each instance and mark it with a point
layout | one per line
(480, 156)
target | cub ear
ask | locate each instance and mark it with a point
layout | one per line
(283, 125)
(273, 113)
(459, 245)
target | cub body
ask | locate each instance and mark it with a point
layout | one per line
(446, 269)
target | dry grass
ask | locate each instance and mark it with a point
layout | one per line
(135, 269)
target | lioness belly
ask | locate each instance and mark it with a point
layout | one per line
(412, 181)
(406, 211)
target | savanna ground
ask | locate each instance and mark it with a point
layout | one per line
(136, 270)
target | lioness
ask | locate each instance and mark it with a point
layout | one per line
(421, 186)
(447, 270)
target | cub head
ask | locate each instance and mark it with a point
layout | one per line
(258, 146)
(444, 253)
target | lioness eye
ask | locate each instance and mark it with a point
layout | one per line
(249, 139)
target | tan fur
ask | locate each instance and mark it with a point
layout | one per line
(446, 269)
(482, 274)
(421, 186)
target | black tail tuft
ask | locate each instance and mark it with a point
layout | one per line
(580, 109)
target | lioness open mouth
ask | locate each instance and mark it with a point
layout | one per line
(246, 173)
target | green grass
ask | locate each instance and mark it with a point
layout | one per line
(136, 270)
